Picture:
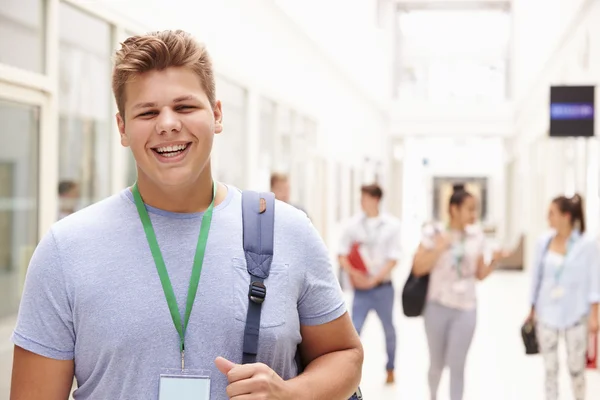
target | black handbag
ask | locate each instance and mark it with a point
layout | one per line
(530, 338)
(414, 294)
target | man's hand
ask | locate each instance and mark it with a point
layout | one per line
(361, 281)
(253, 382)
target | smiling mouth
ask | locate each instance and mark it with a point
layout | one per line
(171, 151)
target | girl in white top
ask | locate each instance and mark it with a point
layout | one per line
(453, 257)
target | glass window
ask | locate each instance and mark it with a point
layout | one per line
(267, 133)
(22, 34)
(283, 139)
(18, 198)
(230, 145)
(85, 107)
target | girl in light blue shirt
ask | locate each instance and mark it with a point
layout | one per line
(565, 292)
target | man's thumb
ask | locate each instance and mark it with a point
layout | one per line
(224, 365)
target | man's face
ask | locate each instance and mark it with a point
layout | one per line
(369, 203)
(169, 125)
(281, 189)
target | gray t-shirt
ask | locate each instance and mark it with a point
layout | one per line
(92, 294)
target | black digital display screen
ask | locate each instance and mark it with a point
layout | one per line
(572, 111)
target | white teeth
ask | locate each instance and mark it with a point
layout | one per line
(171, 149)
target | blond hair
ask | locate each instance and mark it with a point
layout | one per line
(158, 51)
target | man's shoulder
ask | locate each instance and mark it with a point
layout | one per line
(96, 219)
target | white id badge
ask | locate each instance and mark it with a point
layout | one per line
(557, 292)
(176, 384)
(460, 287)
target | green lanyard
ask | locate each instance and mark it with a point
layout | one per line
(162, 269)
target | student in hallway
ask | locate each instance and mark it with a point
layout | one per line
(453, 257)
(565, 293)
(375, 235)
(108, 295)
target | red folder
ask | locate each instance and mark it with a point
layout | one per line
(356, 260)
(592, 352)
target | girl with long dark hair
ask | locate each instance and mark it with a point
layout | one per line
(565, 292)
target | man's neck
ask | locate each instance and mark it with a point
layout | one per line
(195, 197)
(372, 213)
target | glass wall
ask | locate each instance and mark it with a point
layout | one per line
(22, 34)
(18, 198)
(229, 146)
(85, 101)
(267, 132)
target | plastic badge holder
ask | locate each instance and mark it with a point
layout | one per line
(188, 384)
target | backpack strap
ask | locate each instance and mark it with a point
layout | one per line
(258, 217)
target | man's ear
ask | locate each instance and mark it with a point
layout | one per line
(218, 115)
(121, 125)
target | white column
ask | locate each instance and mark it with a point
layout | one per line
(49, 138)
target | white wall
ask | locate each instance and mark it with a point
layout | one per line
(544, 167)
(538, 28)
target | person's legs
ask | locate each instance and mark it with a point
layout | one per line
(384, 307)
(361, 305)
(548, 343)
(436, 318)
(576, 339)
(460, 337)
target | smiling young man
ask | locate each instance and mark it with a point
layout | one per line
(96, 303)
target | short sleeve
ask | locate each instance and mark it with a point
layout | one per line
(45, 320)
(321, 298)
(393, 245)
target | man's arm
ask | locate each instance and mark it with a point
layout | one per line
(333, 356)
(35, 377)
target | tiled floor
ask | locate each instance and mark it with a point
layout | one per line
(497, 367)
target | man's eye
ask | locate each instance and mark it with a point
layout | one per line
(147, 114)
(185, 107)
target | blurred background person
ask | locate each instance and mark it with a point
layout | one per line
(280, 186)
(453, 256)
(369, 251)
(68, 196)
(565, 292)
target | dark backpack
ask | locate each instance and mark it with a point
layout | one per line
(258, 218)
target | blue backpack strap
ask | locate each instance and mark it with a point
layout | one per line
(258, 216)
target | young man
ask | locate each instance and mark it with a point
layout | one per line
(375, 238)
(95, 305)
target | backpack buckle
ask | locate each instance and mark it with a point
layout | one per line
(257, 292)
